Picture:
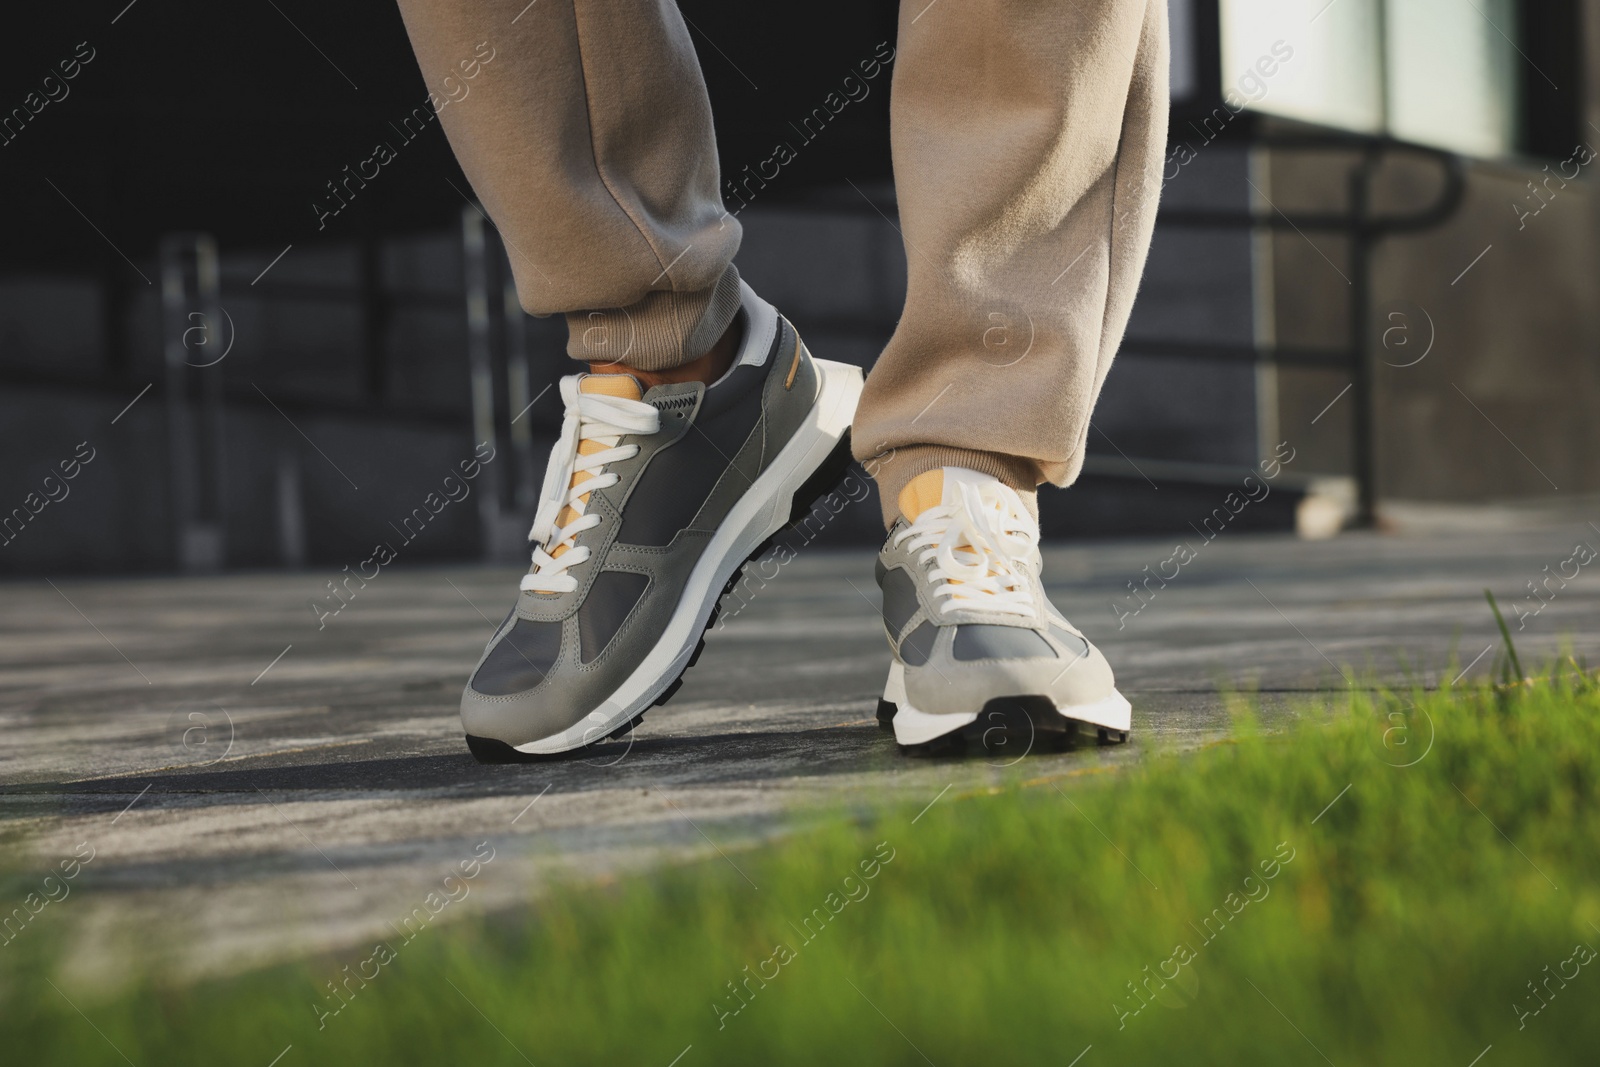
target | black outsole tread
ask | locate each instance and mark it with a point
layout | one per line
(1008, 726)
(886, 712)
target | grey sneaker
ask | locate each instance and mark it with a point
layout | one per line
(652, 502)
(980, 654)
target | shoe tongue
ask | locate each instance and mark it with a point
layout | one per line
(941, 486)
(625, 386)
(921, 493)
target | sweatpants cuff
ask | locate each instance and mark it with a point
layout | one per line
(893, 470)
(664, 330)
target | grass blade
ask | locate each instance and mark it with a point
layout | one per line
(1505, 634)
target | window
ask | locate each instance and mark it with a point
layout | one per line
(1450, 73)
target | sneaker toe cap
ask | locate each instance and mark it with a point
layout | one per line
(1068, 672)
(519, 661)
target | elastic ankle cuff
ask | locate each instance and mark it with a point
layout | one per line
(662, 331)
(898, 466)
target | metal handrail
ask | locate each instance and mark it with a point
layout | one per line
(1364, 231)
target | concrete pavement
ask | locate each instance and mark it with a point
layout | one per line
(270, 787)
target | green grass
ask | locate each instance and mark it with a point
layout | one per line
(1006, 927)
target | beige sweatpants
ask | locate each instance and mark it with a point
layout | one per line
(1027, 137)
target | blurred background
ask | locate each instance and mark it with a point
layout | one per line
(223, 348)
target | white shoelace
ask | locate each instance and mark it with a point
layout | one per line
(985, 548)
(588, 417)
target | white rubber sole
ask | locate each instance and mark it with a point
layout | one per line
(760, 513)
(914, 727)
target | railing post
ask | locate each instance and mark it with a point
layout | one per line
(525, 478)
(197, 335)
(480, 366)
(504, 516)
(1364, 445)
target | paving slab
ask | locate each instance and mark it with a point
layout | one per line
(267, 785)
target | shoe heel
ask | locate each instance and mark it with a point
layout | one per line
(894, 693)
(822, 481)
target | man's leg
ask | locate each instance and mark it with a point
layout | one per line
(1027, 139)
(588, 138)
(1027, 145)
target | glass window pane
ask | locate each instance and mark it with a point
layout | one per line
(1331, 74)
(1453, 74)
